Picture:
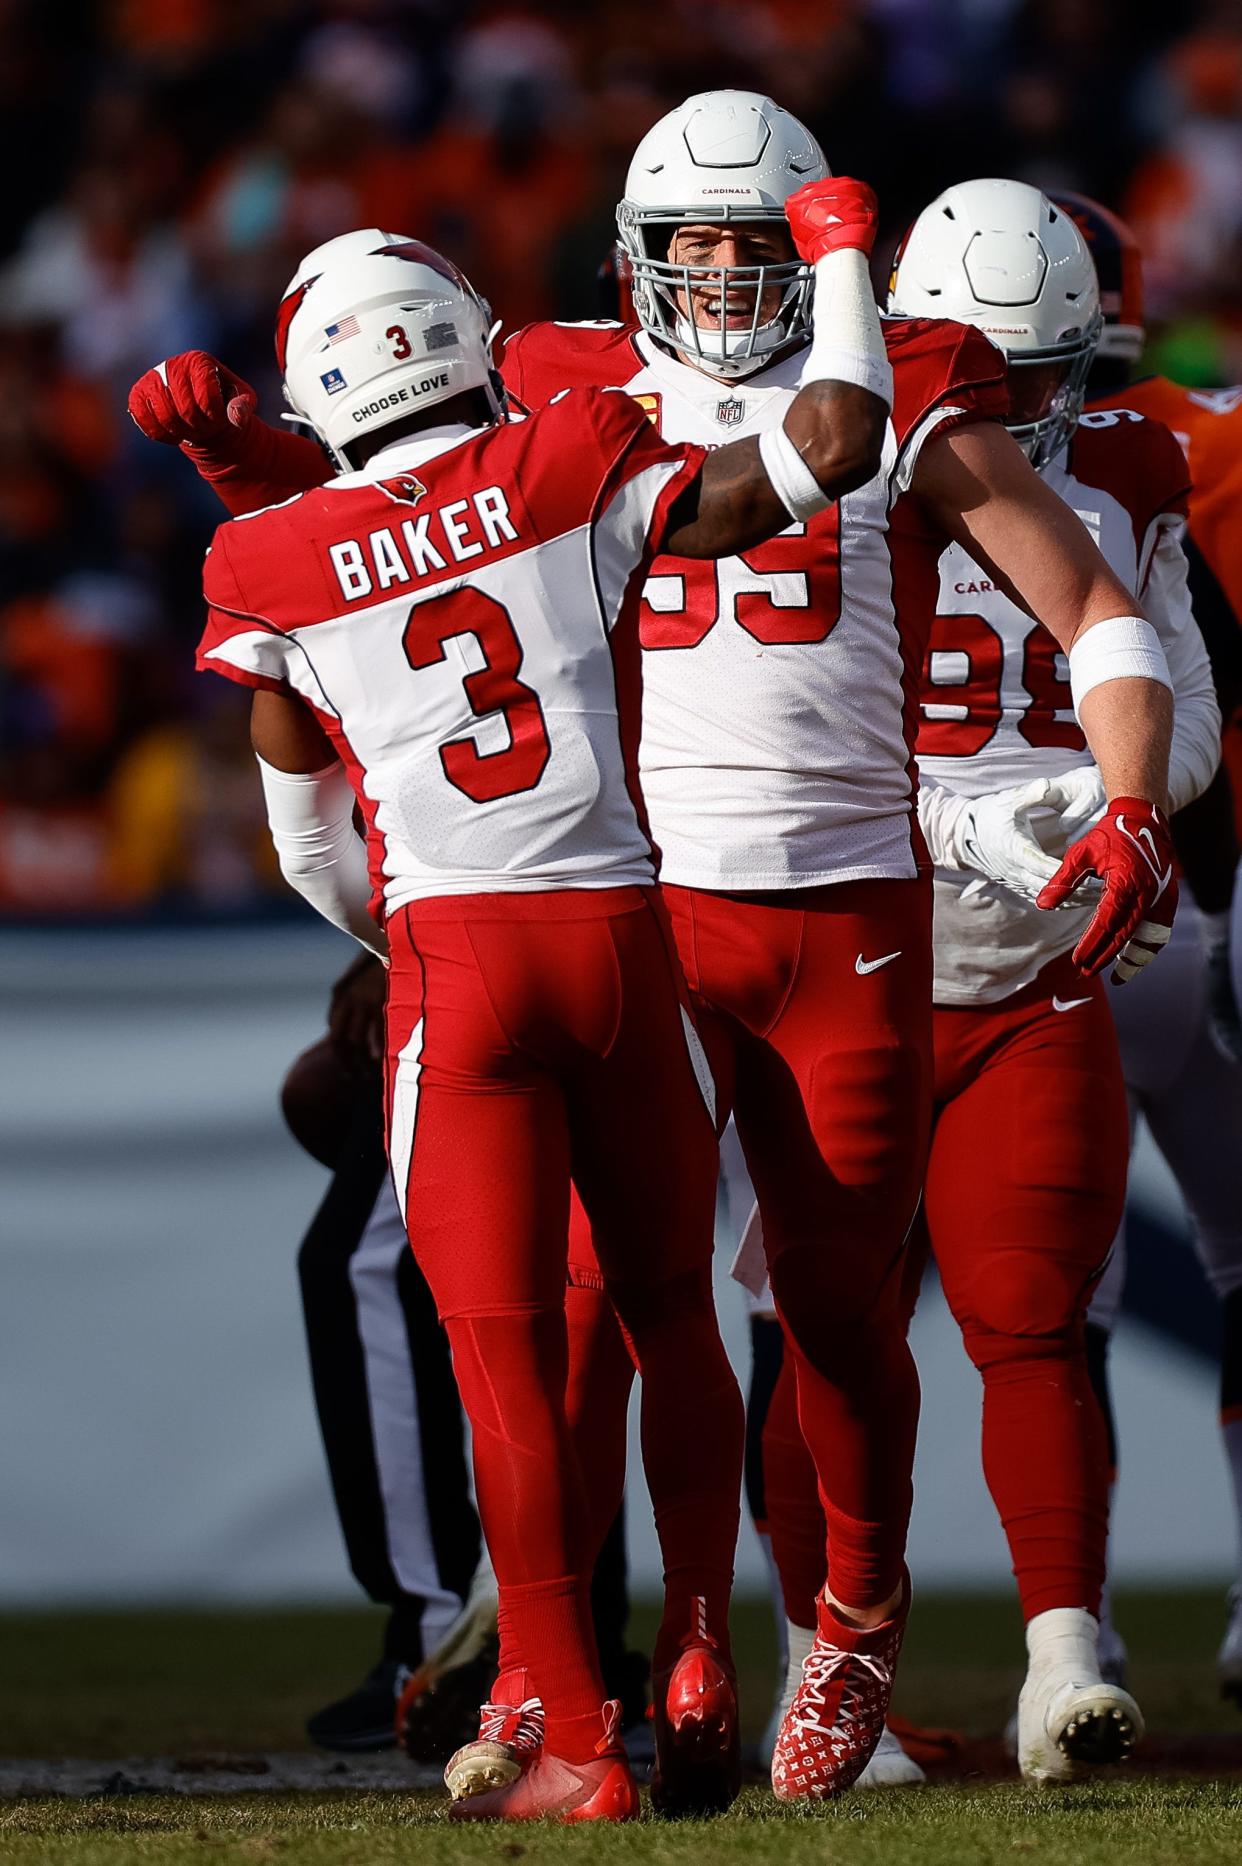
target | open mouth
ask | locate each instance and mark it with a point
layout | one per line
(727, 311)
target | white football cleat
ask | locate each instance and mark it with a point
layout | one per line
(890, 1767)
(1229, 1658)
(797, 1642)
(1111, 1650)
(1069, 1717)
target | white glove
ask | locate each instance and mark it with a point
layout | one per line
(990, 835)
(1077, 798)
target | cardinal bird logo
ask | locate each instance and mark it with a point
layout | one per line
(406, 489)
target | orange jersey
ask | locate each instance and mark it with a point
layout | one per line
(1208, 423)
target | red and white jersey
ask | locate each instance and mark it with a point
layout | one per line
(462, 619)
(996, 706)
(780, 687)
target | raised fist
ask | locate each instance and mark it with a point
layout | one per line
(1131, 851)
(190, 401)
(830, 215)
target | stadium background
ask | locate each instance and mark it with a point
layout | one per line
(168, 163)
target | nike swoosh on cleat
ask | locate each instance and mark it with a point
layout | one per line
(863, 966)
(1068, 1004)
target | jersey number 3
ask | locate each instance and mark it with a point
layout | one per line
(494, 690)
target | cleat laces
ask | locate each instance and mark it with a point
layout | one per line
(818, 1673)
(520, 1726)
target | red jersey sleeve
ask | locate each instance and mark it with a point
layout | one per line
(542, 359)
(260, 467)
(944, 376)
(644, 475)
(237, 642)
(640, 454)
(1137, 460)
(592, 450)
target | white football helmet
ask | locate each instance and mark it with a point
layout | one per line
(722, 156)
(1000, 255)
(375, 326)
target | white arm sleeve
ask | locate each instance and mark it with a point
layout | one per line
(990, 835)
(1195, 750)
(847, 337)
(311, 815)
(942, 819)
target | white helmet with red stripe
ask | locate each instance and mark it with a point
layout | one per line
(375, 327)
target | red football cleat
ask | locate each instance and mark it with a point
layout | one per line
(831, 1729)
(698, 1757)
(602, 1789)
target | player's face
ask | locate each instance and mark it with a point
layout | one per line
(1033, 388)
(712, 248)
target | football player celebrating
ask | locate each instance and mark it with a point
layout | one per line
(444, 638)
(1181, 1043)
(777, 764)
(1027, 1165)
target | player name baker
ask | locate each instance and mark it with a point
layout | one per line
(380, 561)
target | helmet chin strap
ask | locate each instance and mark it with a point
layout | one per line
(770, 340)
(297, 420)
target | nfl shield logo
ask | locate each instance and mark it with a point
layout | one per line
(333, 382)
(729, 413)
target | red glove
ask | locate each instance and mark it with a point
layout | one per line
(827, 216)
(1131, 850)
(195, 403)
(192, 401)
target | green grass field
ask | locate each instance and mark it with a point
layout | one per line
(202, 1687)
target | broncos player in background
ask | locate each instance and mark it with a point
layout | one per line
(1181, 1037)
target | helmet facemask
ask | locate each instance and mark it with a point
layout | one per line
(770, 302)
(1042, 436)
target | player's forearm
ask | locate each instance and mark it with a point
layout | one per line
(258, 467)
(750, 490)
(311, 816)
(837, 429)
(1128, 723)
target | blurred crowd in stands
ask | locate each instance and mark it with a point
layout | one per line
(170, 160)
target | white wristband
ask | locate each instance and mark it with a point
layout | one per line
(792, 479)
(1123, 648)
(847, 337)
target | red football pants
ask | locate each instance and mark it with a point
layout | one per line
(531, 1036)
(1025, 1187)
(826, 1056)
